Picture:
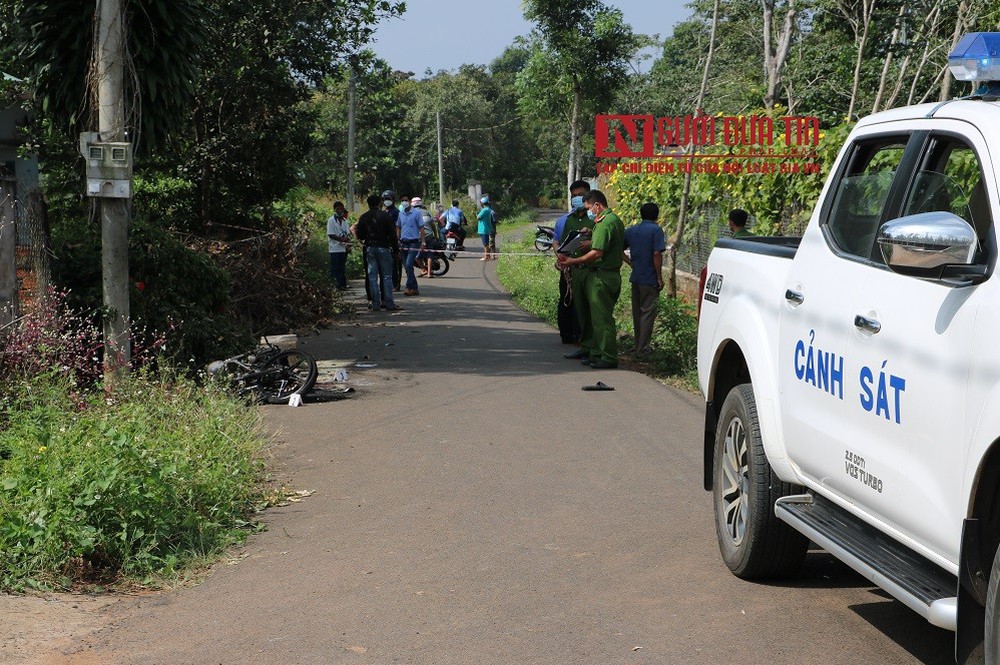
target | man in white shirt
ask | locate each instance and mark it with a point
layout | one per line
(338, 231)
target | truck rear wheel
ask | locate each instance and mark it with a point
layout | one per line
(754, 543)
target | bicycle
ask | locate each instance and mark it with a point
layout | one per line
(269, 375)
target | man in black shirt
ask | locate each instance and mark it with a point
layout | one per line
(377, 231)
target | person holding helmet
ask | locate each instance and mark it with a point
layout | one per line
(570, 281)
(485, 227)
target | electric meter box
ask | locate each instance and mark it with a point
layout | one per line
(109, 166)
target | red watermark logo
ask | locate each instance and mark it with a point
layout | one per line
(735, 144)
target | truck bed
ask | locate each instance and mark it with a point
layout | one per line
(781, 246)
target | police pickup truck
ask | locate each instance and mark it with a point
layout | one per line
(852, 377)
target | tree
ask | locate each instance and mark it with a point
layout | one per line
(164, 41)
(251, 125)
(774, 60)
(587, 46)
(682, 215)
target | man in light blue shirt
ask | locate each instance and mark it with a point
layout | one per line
(453, 218)
(410, 228)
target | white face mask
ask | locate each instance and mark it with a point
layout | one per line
(387, 202)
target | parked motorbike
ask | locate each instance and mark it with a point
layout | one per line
(437, 257)
(544, 237)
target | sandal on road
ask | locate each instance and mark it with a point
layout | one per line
(600, 385)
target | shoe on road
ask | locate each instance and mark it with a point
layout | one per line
(411, 292)
(603, 364)
(576, 355)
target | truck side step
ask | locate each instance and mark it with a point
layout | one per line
(913, 580)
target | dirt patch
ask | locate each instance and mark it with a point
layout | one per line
(49, 630)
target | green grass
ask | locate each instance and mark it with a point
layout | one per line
(131, 488)
(534, 285)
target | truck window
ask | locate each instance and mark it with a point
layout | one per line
(861, 195)
(950, 179)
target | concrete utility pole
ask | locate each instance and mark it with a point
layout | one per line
(352, 85)
(440, 164)
(114, 211)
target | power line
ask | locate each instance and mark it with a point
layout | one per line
(485, 129)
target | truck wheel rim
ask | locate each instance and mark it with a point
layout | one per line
(735, 481)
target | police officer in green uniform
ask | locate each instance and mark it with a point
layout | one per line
(600, 277)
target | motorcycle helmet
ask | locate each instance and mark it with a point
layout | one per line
(389, 194)
(484, 200)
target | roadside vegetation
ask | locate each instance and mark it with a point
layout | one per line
(115, 487)
(533, 283)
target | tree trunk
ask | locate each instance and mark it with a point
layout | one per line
(888, 59)
(867, 9)
(960, 22)
(574, 139)
(686, 192)
(775, 62)
(928, 27)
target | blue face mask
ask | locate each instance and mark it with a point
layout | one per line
(576, 202)
(591, 215)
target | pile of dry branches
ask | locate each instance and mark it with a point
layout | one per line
(269, 290)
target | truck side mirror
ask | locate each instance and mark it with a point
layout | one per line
(933, 245)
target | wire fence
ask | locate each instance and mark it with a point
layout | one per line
(707, 223)
(22, 212)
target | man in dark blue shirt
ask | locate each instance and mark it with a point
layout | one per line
(645, 244)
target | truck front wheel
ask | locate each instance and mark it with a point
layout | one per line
(754, 543)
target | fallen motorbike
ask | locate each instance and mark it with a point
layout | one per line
(544, 237)
(268, 374)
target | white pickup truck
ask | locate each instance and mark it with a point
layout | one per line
(852, 378)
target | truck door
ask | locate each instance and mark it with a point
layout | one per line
(817, 314)
(910, 348)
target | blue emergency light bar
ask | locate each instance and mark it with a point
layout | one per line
(976, 57)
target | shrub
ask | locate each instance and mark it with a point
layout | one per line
(138, 484)
(173, 288)
(51, 336)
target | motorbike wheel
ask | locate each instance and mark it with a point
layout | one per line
(543, 243)
(440, 265)
(288, 373)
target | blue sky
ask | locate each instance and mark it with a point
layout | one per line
(443, 34)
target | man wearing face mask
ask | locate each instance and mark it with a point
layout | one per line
(411, 242)
(602, 283)
(574, 220)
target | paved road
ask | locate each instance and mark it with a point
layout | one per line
(472, 505)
